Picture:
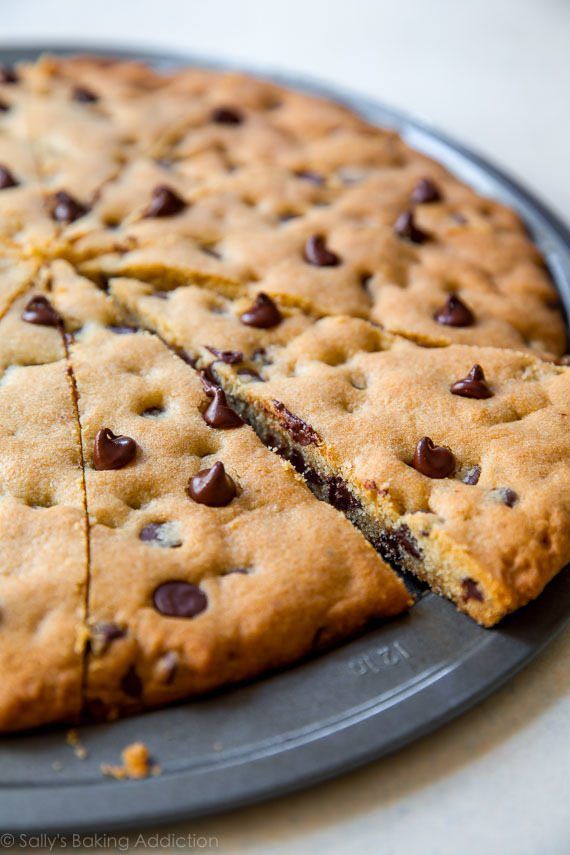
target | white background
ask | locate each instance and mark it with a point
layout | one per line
(496, 74)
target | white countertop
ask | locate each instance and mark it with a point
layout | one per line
(495, 74)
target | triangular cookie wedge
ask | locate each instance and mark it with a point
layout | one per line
(455, 461)
(200, 580)
(43, 539)
(349, 404)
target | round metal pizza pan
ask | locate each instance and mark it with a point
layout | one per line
(326, 715)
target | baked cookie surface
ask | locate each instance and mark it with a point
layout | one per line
(165, 237)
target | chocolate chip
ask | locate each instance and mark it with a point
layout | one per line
(313, 177)
(131, 684)
(64, 208)
(227, 116)
(262, 314)
(7, 178)
(212, 487)
(83, 95)
(435, 461)
(166, 667)
(8, 74)
(102, 636)
(472, 475)
(317, 253)
(40, 311)
(219, 415)
(112, 451)
(405, 227)
(471, 590)
(165, 202)
(425, 191)
(340, 496)
(393, 545)
(472, 386)
(179, 599)
(160, 534)
(505, 495)
(299, 430)
(230, 357)
(454, 313)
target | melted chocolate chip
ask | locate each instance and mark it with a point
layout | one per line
(165, 202)
(7, 179)
(262, 314)
(472, 386)
(131, 684)
(317, 253)
(230, 357)
(472, 476)
(425, 191)
(102, 636)
(405, 227)
(179, 599)
(313, 177)
(299, 430)
(227, 116)
(471, 590)
(112, 451)
(64, 208)
(4, 107)
(8, 74)
(219, 415)
(454, 313)
(83, 95)
(505, 495)
(40, 311)
(212, 487)
(435, 461)
(160, 534)
(340, 496)
(394, 544)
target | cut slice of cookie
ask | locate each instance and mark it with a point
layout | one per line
(210, 560)
(454, 461)
(43, 542)
(25, 226)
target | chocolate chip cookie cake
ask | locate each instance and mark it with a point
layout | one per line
(256, 356)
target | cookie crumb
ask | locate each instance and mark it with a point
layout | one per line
(136, 764)
(72, 739)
